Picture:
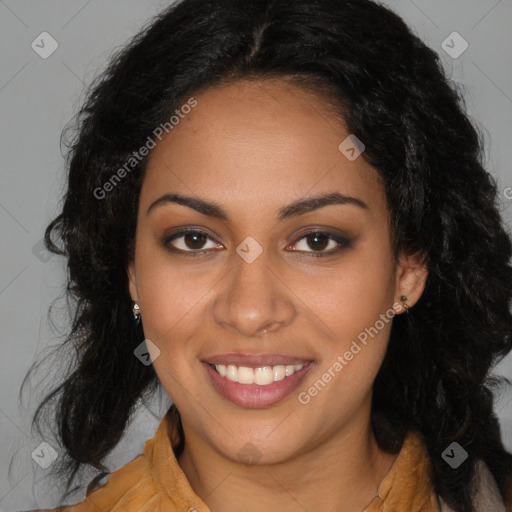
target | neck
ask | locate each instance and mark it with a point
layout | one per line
(340, 474)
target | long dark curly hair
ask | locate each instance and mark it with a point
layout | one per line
(396, 98)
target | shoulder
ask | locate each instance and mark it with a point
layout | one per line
(412, 471)
(487, 494)
(151, 481)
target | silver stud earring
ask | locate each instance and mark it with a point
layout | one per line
(136, 312)
(403, 298)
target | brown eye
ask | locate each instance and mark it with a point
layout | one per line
(194, 240)
(316, 243)
(190, 241)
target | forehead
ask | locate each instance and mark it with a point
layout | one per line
(258, 139)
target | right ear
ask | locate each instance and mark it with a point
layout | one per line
(132, 281)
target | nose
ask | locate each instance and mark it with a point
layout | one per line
(252, 299)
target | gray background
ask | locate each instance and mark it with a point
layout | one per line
(39, 96)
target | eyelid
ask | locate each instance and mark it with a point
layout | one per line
(166, 241)
(341, 239)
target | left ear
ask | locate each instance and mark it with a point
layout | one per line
(132, 281)
(411, 278)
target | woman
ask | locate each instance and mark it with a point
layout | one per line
(278, 212)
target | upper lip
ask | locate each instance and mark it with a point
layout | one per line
(255, 361)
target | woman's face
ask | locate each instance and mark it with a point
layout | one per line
(255, 170)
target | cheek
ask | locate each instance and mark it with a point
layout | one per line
(351, 297)
(172, 304)
(170, 297)
(353, 308)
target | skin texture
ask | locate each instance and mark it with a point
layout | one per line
(253, 148)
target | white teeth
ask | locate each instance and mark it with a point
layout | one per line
(245, 375)
(232, 373)
(279, 372)
(262, 376)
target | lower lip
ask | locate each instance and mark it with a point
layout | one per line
(253, 395)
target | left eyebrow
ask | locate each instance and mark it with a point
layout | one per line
(299, 207)
(303, 206)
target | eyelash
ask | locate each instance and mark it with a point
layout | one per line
(343, 243)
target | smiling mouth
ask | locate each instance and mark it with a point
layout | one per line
(262, 376)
